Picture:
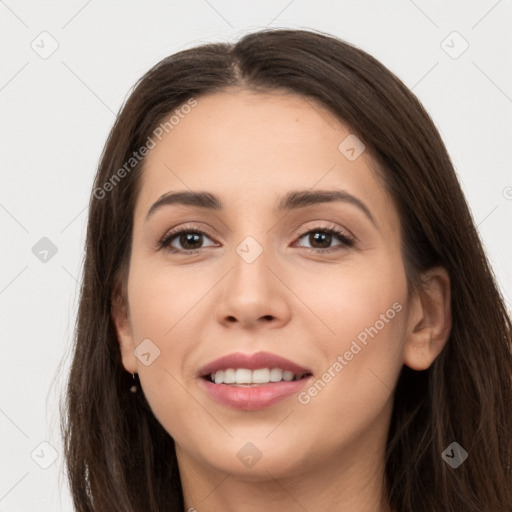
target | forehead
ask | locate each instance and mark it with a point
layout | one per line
(252, 146)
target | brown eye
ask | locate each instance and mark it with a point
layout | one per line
(322, 237)
(189, 241)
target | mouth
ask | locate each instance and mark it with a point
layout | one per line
(244, 377)
(252, 381)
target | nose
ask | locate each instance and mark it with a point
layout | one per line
(252, 294)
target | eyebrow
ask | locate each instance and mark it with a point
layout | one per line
(291, 201)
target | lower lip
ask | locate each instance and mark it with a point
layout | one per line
(251, 398)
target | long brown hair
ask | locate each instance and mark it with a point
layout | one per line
(118, 455)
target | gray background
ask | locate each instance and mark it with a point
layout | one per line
(56, 113)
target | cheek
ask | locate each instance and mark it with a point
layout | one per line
(365, 311)
(361, 312)
(162, 305)
(161, 299)
(351, 298)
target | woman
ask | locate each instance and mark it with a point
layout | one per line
(285, 301)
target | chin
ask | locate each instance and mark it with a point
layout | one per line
(257, 459)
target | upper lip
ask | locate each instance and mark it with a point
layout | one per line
(251, 362)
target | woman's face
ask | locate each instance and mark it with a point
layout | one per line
(266, 279)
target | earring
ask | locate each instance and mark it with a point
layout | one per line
(133, 389)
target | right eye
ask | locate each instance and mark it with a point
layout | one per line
(185, 237)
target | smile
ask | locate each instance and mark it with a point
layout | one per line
(246, 377)
(252, 381)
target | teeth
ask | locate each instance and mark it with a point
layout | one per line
(229, 376)
(243, 376)
(288, 375)
(276, 374)
(260, 376)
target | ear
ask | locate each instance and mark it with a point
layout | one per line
(429, 320)
(121, 318)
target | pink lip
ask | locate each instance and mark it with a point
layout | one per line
(250, 398)
(251, 362)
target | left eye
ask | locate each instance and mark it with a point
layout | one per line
(325, 235)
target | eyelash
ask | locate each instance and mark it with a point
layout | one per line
(346, 240)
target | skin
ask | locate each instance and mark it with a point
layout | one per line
(294, 300)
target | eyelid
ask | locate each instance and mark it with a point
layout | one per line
(344, 235)
(347, 239)
(327, 226)
(164, 242)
